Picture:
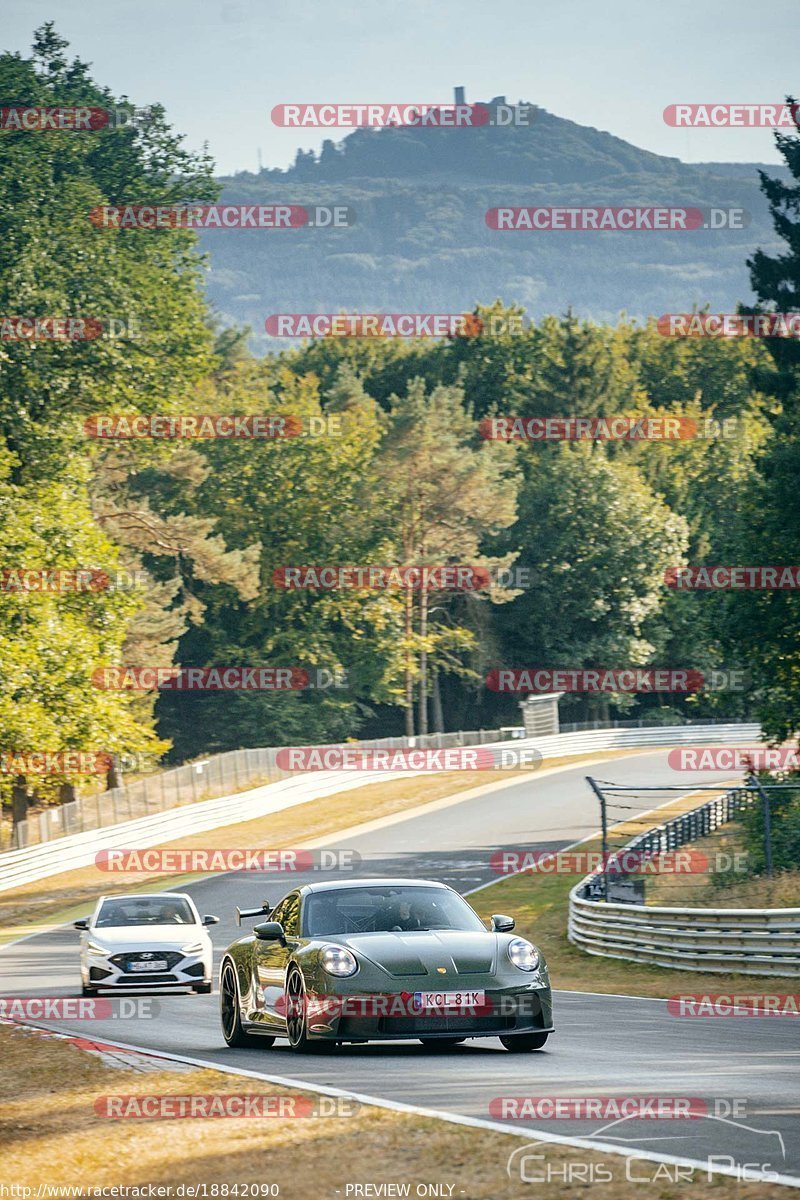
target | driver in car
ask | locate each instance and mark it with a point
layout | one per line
(170, 915)
(396, 916)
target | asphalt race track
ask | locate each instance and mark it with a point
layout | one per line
(603, 1045)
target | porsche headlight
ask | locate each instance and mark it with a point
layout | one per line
(523, 955)
(195, 948)
(338, 961)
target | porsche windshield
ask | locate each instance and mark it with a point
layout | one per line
(386, 910)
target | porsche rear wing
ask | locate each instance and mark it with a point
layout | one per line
(264, 911)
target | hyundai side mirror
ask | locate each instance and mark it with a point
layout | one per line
(209, 920)
(269, 931)
(82, 924)
(501, 924)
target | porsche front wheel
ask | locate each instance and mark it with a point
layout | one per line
(296, 1025)
(232, 1029)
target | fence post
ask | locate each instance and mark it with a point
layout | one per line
(756, 782)
(604, 826)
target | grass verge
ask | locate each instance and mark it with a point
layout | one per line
(722, 885)
(53, 1137)
(540, 904)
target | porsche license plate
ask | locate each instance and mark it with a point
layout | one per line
(155, 964)
(427, 1000)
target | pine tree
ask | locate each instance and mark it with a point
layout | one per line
(770, 621)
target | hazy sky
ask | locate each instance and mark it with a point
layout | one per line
(219, 66)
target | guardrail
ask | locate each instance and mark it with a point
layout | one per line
(235, 770)
(205, 779)
(78, 850)
(747, 941)
(640, 723)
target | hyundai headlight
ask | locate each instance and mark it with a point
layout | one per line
(338, 961)
(96, 948)
(523, 955)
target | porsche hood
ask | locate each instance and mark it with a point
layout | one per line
(430, 952)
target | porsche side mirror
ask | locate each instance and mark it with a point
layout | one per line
(83, 924)
(269, 931)
(209, 920)
(501, 924)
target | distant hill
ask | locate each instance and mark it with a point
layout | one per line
(420, 242)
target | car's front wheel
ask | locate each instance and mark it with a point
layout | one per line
(520, 1043)
(232, 1029)
(296, 1025)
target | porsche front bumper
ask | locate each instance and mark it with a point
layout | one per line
(393, 1016)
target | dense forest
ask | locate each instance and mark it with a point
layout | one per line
(388, 465)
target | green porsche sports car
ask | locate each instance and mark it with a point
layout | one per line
(382, 959)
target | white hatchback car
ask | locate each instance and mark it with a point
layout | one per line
(150, 940)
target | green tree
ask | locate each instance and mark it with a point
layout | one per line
(597, 541)
(82, 504)
(310, 500)
(446, 496)
(768, 620)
